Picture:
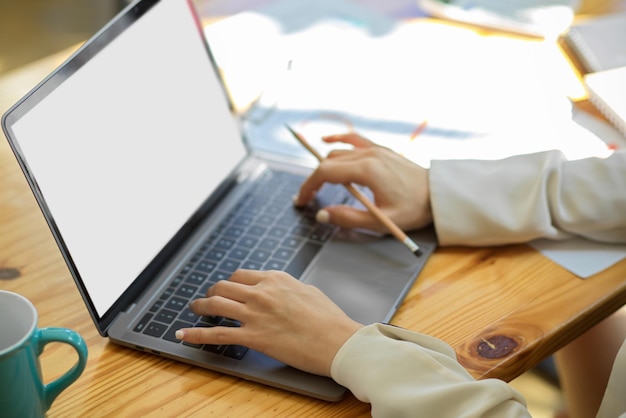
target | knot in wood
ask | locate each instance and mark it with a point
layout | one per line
(8, 273)
(496, 346)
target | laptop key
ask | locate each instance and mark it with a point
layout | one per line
(302, 259)
(226, 243)
(265, 220)
(243, 221)
(176, 304)
(196, 278)
(205, 288)
(206, 266)
(186, 269)
(292, 242)
(252, 211)
(216, 349)
(217, 276)
(170, 335)
(284, 253)
(274, 265)
(248, 242)
(142, 324)
(288, 219)
(168, 292)
(321, 233)
(155, 329)
(188, 315)
(257, 230)
(301, 230)
(268, 243)
(215, 255)
(235, 352)
(252, 265)
(260, 255)
(228, 322)
(278, 232)
(178, 280)
(186, 291)
(229, 265)
(239, 253)
(211, 320)
(166, 316)
(274, 209)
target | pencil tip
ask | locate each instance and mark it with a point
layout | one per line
(415, 249)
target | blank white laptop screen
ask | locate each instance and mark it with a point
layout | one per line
(114, 216)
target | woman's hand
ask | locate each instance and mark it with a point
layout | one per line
(400, 187)
(281, 317)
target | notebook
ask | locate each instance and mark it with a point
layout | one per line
(607, 92)
(138, 163)
(598, 44)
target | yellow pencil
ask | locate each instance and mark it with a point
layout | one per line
(391, 226)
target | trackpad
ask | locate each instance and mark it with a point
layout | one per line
(368, 276)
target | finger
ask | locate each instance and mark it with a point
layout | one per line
(247, 277)
(351, 138)
(349, 217)
(329, 171)
(346, 155)
(230, 289)
(240, 277)
(219, 306)
(212, 335)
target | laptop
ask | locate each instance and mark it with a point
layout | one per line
(137, 160)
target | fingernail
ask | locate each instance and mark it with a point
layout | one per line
(296, 200)
(322, 216)
(180, 334)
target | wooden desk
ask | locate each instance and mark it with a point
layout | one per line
(509, 303)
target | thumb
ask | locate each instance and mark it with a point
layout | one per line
(348, 217)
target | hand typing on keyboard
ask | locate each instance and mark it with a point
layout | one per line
(281, 317)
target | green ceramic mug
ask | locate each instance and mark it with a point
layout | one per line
(22, 392)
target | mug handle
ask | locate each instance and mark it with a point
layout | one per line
(62, 335)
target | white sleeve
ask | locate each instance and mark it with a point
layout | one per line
(406, 374)
(521, 198)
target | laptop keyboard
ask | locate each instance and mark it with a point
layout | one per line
(263, 232)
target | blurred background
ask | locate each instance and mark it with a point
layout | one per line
(33, 29)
